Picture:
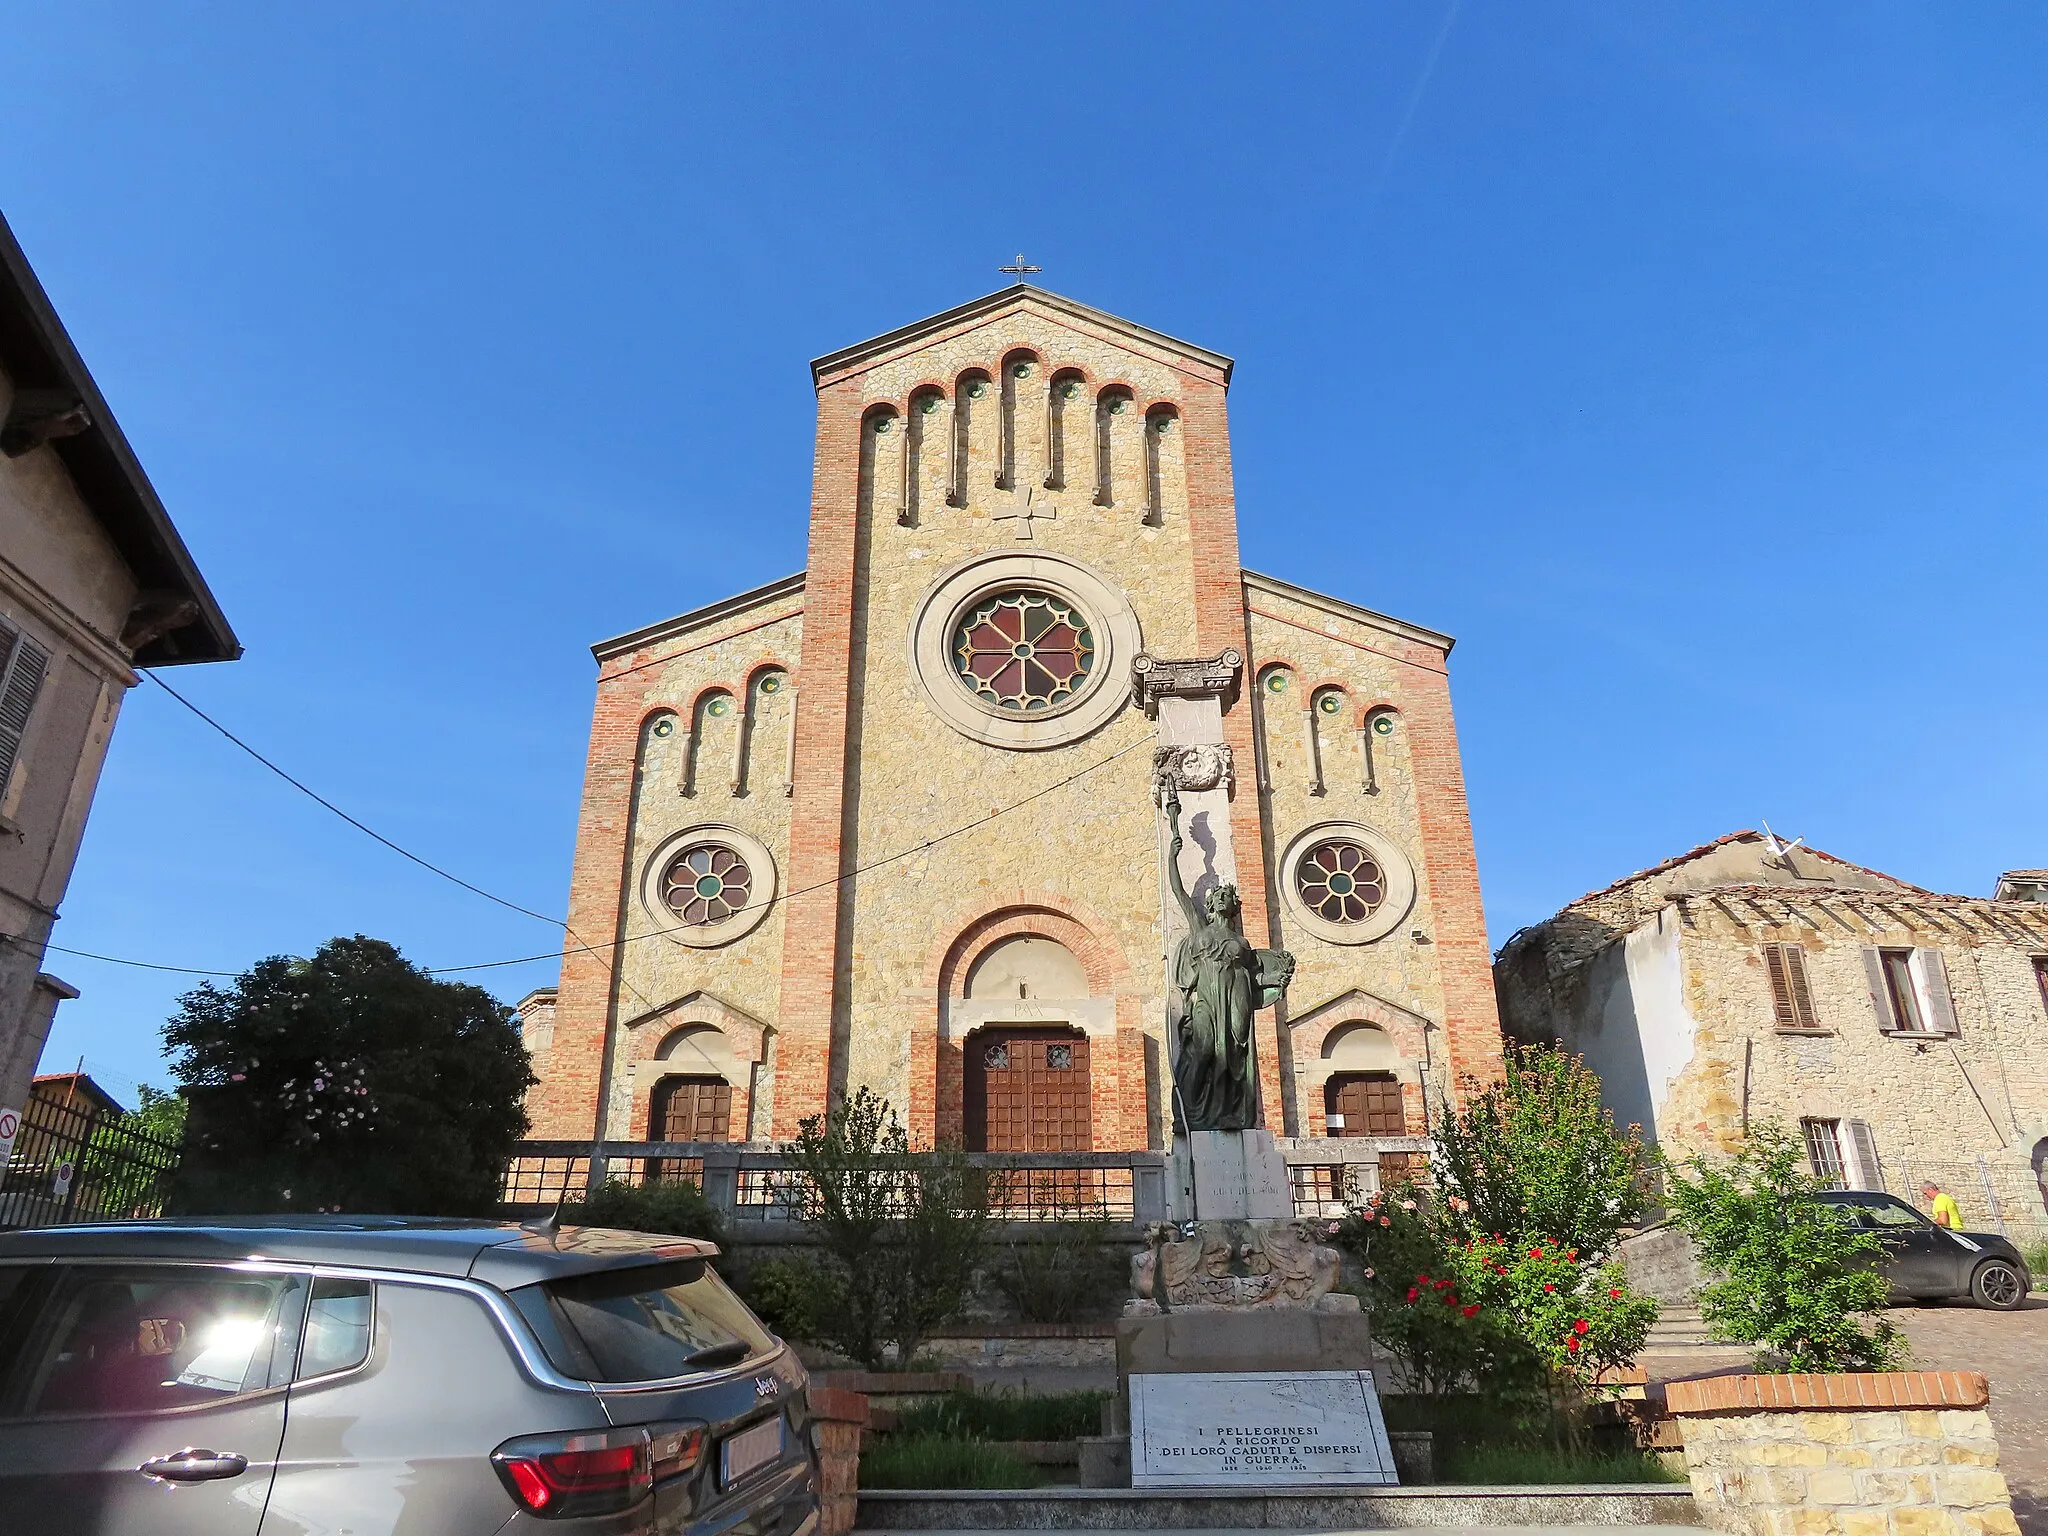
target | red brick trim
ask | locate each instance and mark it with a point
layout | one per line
(1472, 1035)
(1781, 1394)
(839, 1404)
(811, 922)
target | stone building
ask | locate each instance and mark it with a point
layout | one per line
(1903, 1033)
(890, 821)
(94, 583)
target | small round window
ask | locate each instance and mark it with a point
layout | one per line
(706, 884)
(1024, 651)
(1340, 882)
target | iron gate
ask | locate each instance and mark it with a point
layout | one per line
(75, 1162)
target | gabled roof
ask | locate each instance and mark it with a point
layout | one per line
(905, 337)
(1344, 610)
(37, 354)
(697, 618)
(1745, 835)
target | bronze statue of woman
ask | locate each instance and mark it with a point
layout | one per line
(1220, 981)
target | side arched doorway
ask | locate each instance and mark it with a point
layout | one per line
(693, 1108)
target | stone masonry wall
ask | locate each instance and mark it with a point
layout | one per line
(1934, 1105)
(1911, 1454)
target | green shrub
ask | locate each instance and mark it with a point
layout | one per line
(901, 1234)
(1791, 1274)
(789, 1294)
(2036, 1255)
(936, 1461)
(1004, 1416)
(1064, 1275)
(672, 1208)
(1536, 1157)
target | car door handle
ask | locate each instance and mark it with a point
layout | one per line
(192, 1465)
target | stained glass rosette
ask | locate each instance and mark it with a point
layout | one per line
(1339, 882)
(1023, 651)
(706, 884)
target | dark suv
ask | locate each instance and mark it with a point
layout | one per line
(1929, 1263)
(387, 1376)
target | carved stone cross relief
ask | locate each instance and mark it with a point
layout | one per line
(1026, 504)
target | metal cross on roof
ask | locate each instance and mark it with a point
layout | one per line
(1020, 266)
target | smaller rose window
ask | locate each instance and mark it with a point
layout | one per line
(706, 884)
(1024, 651)
(1340, 882)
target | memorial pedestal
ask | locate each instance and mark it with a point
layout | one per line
(1230, 1176)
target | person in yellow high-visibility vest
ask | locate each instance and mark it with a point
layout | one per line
(1945, 1212)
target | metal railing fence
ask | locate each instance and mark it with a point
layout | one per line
(75, 1163)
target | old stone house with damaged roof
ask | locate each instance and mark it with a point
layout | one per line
(1902, 1033)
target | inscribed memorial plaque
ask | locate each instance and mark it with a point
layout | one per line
(1258, 1429)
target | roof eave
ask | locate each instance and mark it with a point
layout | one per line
(37, 352)
(697, 618)
(860, 351)
(1338, 606)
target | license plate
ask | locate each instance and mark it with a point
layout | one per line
(749, 1450)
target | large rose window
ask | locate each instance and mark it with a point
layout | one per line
(1023, 650)
(706, 884)
(1339, 881)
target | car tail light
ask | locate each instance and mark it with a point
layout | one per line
(559, 1476)
(675, 1449)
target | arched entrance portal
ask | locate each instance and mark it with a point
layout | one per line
(1027, 1090)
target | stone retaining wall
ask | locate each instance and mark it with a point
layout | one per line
(1908, 1453)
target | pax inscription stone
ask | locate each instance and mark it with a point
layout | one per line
(1258, 1429)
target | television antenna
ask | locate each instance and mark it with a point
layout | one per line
(1781, 851)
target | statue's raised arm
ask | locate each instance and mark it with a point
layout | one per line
(1173, 848)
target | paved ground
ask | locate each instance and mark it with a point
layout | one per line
(2012, 1349)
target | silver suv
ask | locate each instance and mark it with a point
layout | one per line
(386, 1377)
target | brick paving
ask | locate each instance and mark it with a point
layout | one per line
(2012, 1349)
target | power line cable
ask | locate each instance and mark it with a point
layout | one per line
(593, 950)
(368, 831)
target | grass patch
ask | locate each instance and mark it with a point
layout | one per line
(939, 1461)
(1001, 1416)
(1477, 1443)
(1541, 1464)
(2036, 1255)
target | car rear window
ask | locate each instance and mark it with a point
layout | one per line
(647, 1322)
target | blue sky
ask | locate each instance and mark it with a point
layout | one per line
(1685, 362)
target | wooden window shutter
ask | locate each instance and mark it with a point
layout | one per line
(1865, 1171)
(22, 665)
(1880, 991)
(1802, 993)
(1782, 1010)
(1941, 1009)
(1791, 996)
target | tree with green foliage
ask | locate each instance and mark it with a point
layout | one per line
(351, 1081)
(901, 1233)
(1791, 1275)
(1535, 1158)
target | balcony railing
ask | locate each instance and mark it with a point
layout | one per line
(749, 1182)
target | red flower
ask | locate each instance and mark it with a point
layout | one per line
(1571, 1346)
(1422, 1279)
(1571, 1253)
(1451, 1300)
(1413, 1293)
(1535, 1253)
(1581, 1326)
(1500, 1269)
(1615, 1294)
(1472, 1311)
(1548, 1287)
(1385, 1222)
(1443, 1285)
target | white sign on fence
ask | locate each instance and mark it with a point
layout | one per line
(1258, 1429)
(10, 1127)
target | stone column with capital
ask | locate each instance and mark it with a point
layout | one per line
(1217, 1174)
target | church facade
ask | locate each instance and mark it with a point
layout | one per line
(892, 821)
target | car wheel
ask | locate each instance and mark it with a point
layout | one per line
(1997, 1285)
